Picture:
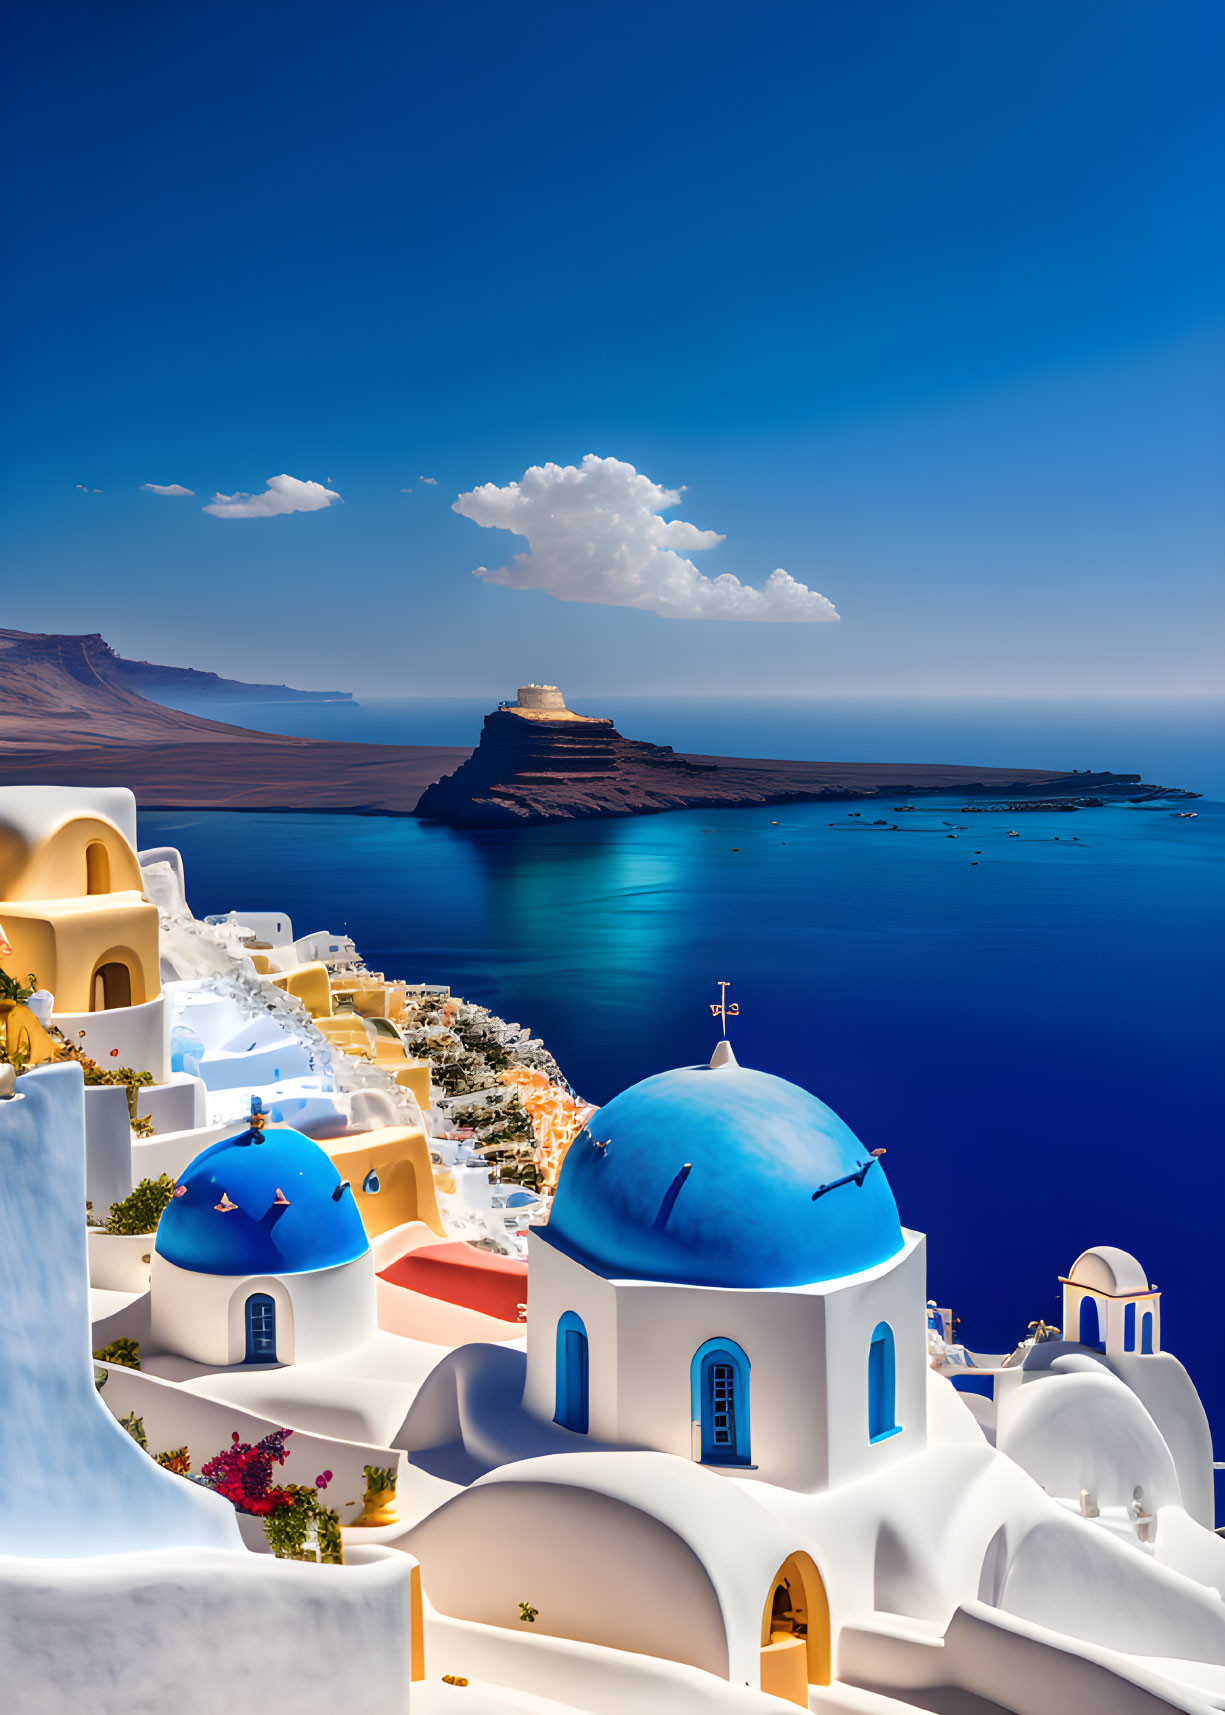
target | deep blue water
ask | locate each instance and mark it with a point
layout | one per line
(1035, 1040)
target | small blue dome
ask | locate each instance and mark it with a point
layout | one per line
(707, 1179)
(261, 1203)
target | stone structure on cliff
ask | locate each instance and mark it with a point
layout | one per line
(538, 761)
(537, 699)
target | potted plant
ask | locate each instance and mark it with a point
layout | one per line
(121, 1250)
(380, 1497)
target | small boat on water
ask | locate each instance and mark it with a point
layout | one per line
(1013, 834)
(1185, 815)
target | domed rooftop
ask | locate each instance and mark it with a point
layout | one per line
(705, 1176)
(1107, 1269)
(264, 1202)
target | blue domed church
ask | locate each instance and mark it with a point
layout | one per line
(261, 1257)
(724, 1277)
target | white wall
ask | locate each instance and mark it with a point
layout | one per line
(642, 1337)
(71, 1480)
(108, 1146)
(318, 1313)
(1087, 1430)
(193, 1635)
(596, 1568)
(135, 1036)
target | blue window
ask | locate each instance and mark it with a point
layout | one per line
(881, 1385)
(719, 1401)
(1090, 1327)
(572, 1383)
(370, 1184)
(261, 1329)
(1129, 1327)
(1146, 1333)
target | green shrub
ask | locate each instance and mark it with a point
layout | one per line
(327, 1534)
(141, 1210)
(11, 989)
(301, 1516)
(135, 1427)
(95, 1074)
(121, 1351)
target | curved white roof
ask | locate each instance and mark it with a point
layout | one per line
(1107, 1269)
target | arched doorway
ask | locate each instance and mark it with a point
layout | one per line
(571, 1409)
(112, 987)
(795, 1640)
(1146, 1333)
(1090, 1327)
(261, 1329)
(97, 868)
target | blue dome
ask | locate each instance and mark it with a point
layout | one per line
(280, 1212)
(756, 1148)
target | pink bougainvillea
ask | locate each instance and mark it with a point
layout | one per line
(243, 1473)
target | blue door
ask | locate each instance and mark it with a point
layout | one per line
(1146, 1333)
(719, 1386)
(261, 1329)
(1129, 1327)
(572, 1383)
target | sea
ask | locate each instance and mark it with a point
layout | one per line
(1023, 1008)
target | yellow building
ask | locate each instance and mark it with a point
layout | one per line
(391, 1176)
(74, 912)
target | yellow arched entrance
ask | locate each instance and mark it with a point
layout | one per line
(795, 1643)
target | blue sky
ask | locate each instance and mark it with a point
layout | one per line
(920, 301)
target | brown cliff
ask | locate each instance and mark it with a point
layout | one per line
(65, 720)
(535, 767)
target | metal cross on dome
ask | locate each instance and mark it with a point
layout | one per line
(723, 1008)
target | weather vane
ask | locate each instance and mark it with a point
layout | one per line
(724, 1009)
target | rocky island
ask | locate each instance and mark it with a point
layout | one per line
(538, 761)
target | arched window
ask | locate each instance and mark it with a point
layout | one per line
(572, 1381)
(1129, 1327)
(719, 1401)
(1090, 1326)
(881, 1384)
(1146, 1334)
(97, 868)
(261, 1329)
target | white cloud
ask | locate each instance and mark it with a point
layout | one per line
(85, 490)
(432, 480)
(283, 494)
(173, 488)
(595, 534)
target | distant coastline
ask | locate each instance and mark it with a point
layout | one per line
(66, 717)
